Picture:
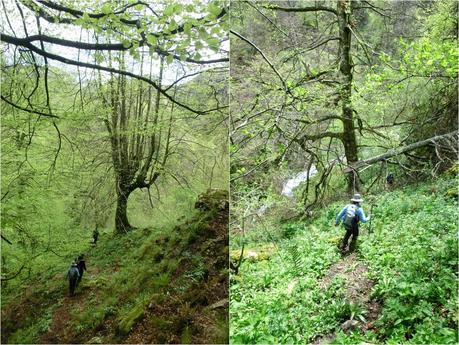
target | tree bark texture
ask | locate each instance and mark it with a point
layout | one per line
(122, 224)
(344, 12)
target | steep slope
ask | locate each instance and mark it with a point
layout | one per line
(399, 287)
(149, 286)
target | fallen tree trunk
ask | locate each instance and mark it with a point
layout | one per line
(394, 152)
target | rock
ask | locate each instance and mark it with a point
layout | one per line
(96, 340)
(349, 324)
(128, 320)
(254, 254)
(222, 303)
(213, 199)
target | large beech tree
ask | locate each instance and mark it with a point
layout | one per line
(184, 39)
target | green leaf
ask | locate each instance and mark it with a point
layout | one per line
(126, 43)
(151, 39)
(213, 43)
(198, 45)
(169, 10)
(106, 9)
(86, 17)
(214, 9)
(99, 57)
(187, 28)
(169, 59)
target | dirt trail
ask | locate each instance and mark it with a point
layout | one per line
(358, 289)
(61, 320)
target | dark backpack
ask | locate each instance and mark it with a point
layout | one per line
(73, 272)
(351, 218)
(390, 179)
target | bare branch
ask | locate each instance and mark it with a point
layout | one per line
(301, 9)
(262, 54)
(27, 110)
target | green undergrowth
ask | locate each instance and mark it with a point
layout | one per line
(411, 255)
(128, 277)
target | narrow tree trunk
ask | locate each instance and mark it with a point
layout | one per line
(121, 220)
(344, 10)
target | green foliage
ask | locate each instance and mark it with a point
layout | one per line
(129, 317)
(411, 254)
(265, 296)
(130, 274)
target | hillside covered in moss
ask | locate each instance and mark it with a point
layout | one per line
(152, 285)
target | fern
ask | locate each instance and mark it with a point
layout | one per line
(296, 258)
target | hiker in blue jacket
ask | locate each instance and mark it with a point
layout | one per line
(352, 215)
(72, 275)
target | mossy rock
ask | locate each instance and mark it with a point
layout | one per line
(126, 322)
(451, 193)
(213, 199)
(452, 171)
(254, 254)
(96, 340)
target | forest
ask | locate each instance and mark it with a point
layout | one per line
(229, 172)
(332, 101)
(114, 118)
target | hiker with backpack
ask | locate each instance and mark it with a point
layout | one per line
(390, 181)
(72, 275)
(95, 236)
(81, 264)
(352, 214)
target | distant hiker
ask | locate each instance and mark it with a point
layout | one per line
(81, 264)
(95, 235)
(352, 214)
(72, 275)
(390, 180)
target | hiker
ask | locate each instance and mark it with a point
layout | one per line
(81, 264)
(390, 181)
(73, 274)
(352, 214)
(95, 235)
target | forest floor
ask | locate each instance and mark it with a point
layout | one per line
(144, 287)
(399, 286)
(358, 289)
(61, 319)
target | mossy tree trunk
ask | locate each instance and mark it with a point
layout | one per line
(349, 140)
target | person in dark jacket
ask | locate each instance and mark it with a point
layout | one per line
(95, 235)
(390, 181)
(81, 264)
(351, 214)
(72, 275)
